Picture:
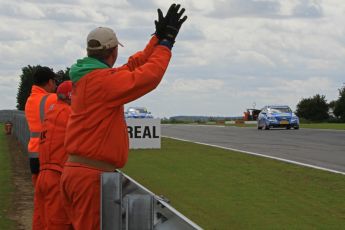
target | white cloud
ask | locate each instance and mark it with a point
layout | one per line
(308, 8)
(249, 8)
(253, 57)
(290, 92)
(267, 8)
(142, 4)
(21, 9)
(197, 85)
(75, 13)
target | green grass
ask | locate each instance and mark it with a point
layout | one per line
(338, 126)
(5, 182)
(221, 189)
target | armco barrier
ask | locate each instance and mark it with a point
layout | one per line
(128, 205)
(125, 204)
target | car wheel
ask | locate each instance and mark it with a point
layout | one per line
(266, 127)
(288, 127)
(258, 125)
(296, 127)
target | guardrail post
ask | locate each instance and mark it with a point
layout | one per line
(139, 212)
(111, 201)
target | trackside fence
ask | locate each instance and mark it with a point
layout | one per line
(125, 204)
(6, 115)
(20, 127)
(128, 205)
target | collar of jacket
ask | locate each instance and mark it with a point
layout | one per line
(85, 66)
(38, 90)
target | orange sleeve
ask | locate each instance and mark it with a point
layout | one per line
(140, 58)
(125, 86)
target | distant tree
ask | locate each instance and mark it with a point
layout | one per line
(173, 120)
(313, 109)
(212, 119)
(339, 107)
(26, 82)
(24, 89)
(331, 105)
(63, 75)
(164, 120)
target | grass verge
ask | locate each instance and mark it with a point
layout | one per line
(337, 126)
(221, 189)
(5, 183)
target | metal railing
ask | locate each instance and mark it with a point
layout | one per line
(6, 115)
(127, 205)
(20, 127)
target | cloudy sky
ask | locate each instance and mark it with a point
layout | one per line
(229, 55)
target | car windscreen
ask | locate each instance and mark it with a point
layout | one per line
(142, 110)
(279, 110)
(137, 110)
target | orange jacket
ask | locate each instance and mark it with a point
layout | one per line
(97, 127)
(52, 152)
(38, 102)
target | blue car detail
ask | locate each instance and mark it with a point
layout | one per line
(137, 112)
(277, 116)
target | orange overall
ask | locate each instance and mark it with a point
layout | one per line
(37, 103)
(52, 158)
(97, 131)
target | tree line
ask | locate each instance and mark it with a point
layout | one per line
(316, 108)
(26, 82)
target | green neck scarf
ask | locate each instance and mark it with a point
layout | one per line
(85, 66)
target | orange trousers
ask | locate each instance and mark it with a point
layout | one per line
(37, 223)
(49, 201)
(80, 187)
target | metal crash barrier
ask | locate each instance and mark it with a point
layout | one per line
(127, 205)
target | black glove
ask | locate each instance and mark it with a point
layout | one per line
(168, 27)
(160, 25)
(173, 22)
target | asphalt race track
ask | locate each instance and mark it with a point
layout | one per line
(320, 148)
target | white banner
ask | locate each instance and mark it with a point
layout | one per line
(144, 133)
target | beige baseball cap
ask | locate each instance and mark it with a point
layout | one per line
(105, 37)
